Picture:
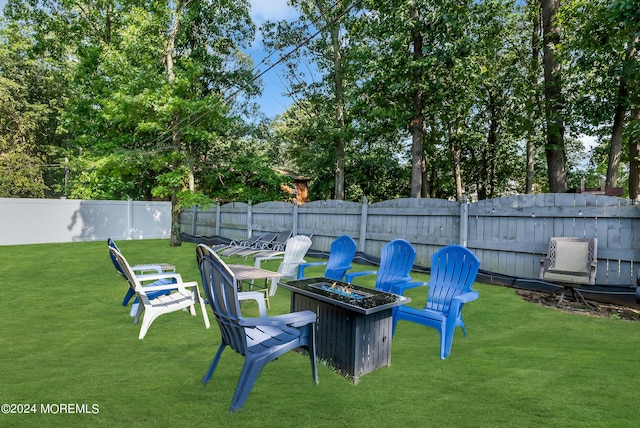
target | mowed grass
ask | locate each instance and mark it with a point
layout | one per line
(66, 339)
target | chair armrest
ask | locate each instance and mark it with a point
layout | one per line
(157, 276)
(259, 259)
(349, 276)
(258, 297)
(147, 267)
(467, 297)
(295, 319)
(401, 287)
(170, 286)
(458, 301)
(304, 265)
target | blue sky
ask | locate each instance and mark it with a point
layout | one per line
(272, 101)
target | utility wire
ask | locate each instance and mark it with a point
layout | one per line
(196, 116)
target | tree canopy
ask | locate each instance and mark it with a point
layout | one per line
(142, 99)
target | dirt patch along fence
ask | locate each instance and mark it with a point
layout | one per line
(509, 234)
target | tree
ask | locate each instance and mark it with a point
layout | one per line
(601, 46)
(31, 95)
(146, 92)
(554, 104)
(326, 48)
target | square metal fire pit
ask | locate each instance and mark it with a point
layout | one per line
(354, 324)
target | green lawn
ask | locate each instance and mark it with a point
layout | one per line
(65, 338)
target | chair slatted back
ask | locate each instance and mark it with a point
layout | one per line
(453, 271)
(341, 254)
(294, 253)
(281, 239)
(130, 276)
(396, 261)
(111, 244)
(220, 287)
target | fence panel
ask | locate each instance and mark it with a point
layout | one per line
(32, 221)
(509, 235)
(326, 220)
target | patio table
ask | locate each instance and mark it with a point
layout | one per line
(250, 273)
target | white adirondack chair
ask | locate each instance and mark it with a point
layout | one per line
(292, 256)
(184, 295)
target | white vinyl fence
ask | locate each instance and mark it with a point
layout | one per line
(33, 221)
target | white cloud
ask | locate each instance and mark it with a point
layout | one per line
(272, 10)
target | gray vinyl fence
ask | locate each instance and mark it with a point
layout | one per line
(509, 235)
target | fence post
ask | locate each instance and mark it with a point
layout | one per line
(129, 218)
(363, 225)
(464, 221)
(193, 220)
(294, 219)
(218, 215)
(249, 220)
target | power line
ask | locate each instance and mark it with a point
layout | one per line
(196, 116)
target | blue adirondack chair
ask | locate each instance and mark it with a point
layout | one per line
(341, 254)
(453, 271)
(396, 261)
(138, 269)
(260, 340)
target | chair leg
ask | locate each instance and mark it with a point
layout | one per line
(274, 287)
(214, 363)
(312, 352)
(564, 290)
(134, 308)
(128, 296)
(203, 308)
(248, 377)
(460, 323)
(138, 313)
(148, 319)
(448, 330)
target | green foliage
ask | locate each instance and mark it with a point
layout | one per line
(90, 82)
(20, 176)
(116, 176)
(249, 178)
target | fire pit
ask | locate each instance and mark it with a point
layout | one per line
(353, 328)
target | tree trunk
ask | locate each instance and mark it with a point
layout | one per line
(456, 154)
(339, 93)
(492, 141)
(554, 148)
(417, 124)
(457, 169)
(176, 137)
(619, 119)
(634, 158)
(334, 32)
(534, 65)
